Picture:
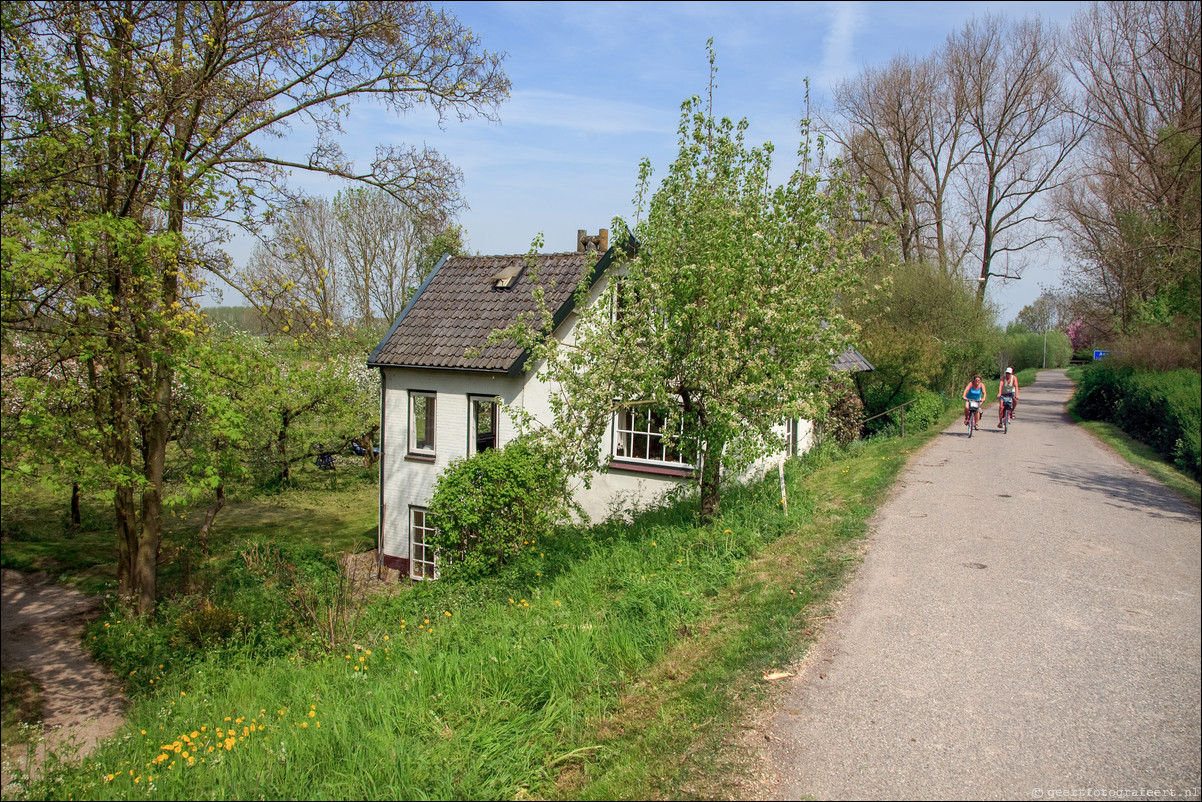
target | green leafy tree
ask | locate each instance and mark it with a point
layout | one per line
(133, 131)
(922, 329)
(726, 316)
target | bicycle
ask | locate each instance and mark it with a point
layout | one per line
(1007, 413)
(973, 417)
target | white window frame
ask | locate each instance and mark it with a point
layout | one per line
(642, 424)
(430, 423)
(792, 426)
(423, 559)
(473, 435)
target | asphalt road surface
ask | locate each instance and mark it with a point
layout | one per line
(1025, 625)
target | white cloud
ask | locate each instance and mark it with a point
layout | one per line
(846, 19)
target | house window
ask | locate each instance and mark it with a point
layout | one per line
(791, 427)
(638, 435)
(421, 423)
(482, 423)
(422, 564)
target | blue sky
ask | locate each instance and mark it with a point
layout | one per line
(598, 86)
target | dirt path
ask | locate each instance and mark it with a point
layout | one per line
(42, 624)
(1026, 624)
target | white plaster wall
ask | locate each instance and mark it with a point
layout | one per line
(409, 481)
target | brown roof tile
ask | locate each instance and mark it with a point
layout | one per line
(460, 306)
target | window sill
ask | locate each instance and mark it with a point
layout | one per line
(412, 457)
(630, 466)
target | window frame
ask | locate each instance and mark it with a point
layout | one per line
(421, 569)
(473, 434)
(792, 441)
(646, 463)
(413, 448)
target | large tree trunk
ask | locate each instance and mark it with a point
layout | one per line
(127, 540)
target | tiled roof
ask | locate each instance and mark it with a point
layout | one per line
(460, 306)
(851, 360)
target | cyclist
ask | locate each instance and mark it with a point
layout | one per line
(973, 391)
(1008, 386)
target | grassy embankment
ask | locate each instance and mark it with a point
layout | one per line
(1141, 455)
(608, 662)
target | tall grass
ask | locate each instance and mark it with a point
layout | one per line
(548, 679)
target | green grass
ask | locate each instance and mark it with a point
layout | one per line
(21, 703)
(333, 511)
(606, 662)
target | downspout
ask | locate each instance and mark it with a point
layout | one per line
(383, 456)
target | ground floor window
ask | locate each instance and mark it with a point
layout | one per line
(638, 435)
(421, 556)
(791, 439)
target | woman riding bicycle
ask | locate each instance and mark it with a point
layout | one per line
(974, 393)
(1007, 387)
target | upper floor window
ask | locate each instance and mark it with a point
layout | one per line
(482, 423)
(421, 422)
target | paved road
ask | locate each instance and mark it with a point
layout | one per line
(1025, 625)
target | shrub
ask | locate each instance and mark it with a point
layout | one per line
(925, 412)
(208, 626)
(489, 505)
(1159, 348)
(845, 418)
(1160, 409)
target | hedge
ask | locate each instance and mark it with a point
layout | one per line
(1160, 409)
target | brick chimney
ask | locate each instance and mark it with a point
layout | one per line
(586, 242)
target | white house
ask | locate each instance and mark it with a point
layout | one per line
(438, 402)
